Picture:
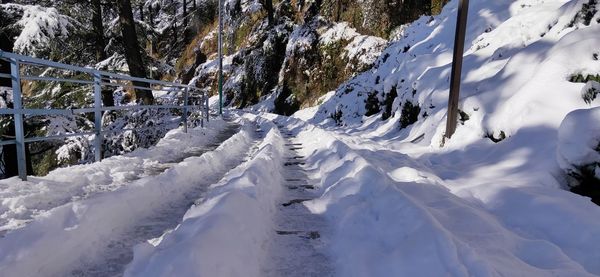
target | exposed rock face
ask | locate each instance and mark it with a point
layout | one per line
(320, 56)
(309, 49)
(379, 17)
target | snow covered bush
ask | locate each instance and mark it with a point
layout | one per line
(39, 27)
(590, 91)
(579, 148)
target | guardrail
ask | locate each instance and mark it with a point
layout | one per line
(97, 79)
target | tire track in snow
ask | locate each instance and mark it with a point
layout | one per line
(295, 249)
(414, 207)
(94, 237)
(120, 250)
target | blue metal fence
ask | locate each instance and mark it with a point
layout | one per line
(98, 79)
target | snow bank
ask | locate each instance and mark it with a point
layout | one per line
(393, 216)
(225, 234)
(79, 232)
(21, 201)
(579, 142)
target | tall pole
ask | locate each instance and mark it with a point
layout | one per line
(220, 57)
(457, 61)
(21, 147)
(97, 116)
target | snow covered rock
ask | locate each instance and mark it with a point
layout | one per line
(578, 152)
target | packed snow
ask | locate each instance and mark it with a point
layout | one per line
(226, 233)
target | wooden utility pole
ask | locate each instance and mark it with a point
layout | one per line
(220, 81)
(457, 61)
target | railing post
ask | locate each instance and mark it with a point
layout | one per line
(185, 110)
(18, 113)
(206, 101)
(220, 51)
(97, 116)
(200, 103)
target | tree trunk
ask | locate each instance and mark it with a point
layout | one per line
(6, 44)
(174, 27)
(151, 16)
(133, 50)
(269, 8)
(98, 28)
(338, 15)
(141, 8)
(194, 1)
(185, 20)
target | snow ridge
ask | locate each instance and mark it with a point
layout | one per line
(225, 234)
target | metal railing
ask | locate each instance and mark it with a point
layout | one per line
(97, 79)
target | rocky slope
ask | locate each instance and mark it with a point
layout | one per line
(308, 49)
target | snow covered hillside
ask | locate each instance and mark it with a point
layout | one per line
(526, 67)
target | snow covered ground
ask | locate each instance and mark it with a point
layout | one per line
(77, 230)
(388, 201)
(386, 213)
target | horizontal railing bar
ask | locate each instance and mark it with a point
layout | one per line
(164, 88)
(135, 87)
(141, 107)
(39, 62)
(36, 61)
(89, 110)
(125, 130)
(36, 112)
(57, 137)
(137, 79)
(7, 142)
(52, 79)
(4, 75)
(161, 86)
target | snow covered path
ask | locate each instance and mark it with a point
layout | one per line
(166, 217)
(394, 215)
(297, 247)
(94, 236)
(302, 200)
